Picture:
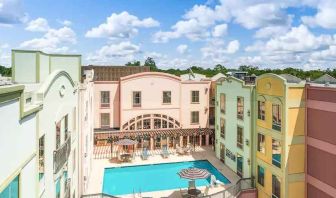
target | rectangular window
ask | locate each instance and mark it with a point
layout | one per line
(222, 128)
(105, 120)
(41, 157)
(276, 153)
(261, 143)
(261, 110)
(12, 190)
(275, 187)
(240, 137)
(222, 103)
(194, 96)
(166, 97)
(105, 99)
(146, 124)
(276, 121)
(157, 123)
(65, 127)
(261, 175)
(240, 108)
(194, 117)
(136, 99)
(58, 135)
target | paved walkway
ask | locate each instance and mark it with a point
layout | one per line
(202, 153)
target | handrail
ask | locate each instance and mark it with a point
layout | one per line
(231, 192)
(61, 154)
(98, 195)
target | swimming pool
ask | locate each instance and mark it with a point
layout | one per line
(155, 177)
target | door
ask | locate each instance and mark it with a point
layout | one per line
(222, 153)
(240, 165)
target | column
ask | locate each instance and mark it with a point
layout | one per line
(181, 141)
(207, 140)
(200, 140)
(151, 143)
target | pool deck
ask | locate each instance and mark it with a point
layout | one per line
(201, 153)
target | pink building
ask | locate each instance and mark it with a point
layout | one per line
(161, 108)
(321, 138)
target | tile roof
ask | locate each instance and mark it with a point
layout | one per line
(290, 78)
(113, 73)
(326, 78)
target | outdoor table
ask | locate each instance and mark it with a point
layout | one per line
(194, 192)
(125, 157)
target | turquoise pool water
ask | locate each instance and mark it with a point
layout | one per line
(146, 178)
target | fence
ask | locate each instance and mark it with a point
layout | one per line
(231, 192)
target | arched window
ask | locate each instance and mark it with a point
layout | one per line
(151, 121)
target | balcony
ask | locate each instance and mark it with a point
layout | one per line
(276, 126)
(67, 193)
(61, 155)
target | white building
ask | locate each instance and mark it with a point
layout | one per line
(40, 131)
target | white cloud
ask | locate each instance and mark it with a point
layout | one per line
(11, 12)
(38, 25)
(182, 49)
(123, 25)
(325, 16)
(67, 23)
(261, 15)
(327, 55)
(298, 39)
(54, 40)
(220, 30)
(217, 51)
(233, 47)
(271, 31)
(123, 51)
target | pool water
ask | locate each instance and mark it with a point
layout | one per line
(155, 177)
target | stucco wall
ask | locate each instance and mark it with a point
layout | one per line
(114, 109)
(233, 90)
(25, 67)
(18, 147)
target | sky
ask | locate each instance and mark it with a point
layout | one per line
(176, 33)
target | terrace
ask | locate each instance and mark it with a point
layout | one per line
(231, 189)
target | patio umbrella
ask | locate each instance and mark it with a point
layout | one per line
(194, 173)
(126, 142)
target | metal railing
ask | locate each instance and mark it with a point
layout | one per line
(98, 195)
(67, 188)
(233, 191)
(61, 155)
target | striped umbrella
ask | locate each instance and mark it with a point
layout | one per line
(126, 142)
(194, 173)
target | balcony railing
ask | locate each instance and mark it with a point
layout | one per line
(67, 193)
(61, 155)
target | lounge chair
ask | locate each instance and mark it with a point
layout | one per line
(144, 154)
(187, 149)
(165, 152)
(213, 181)
(184, 193)
(180, 151)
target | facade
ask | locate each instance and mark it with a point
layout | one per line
(279, 136)
(86, 126)
(153, 101)
(235, 124)
(43, 129)
(320, 138)
(18, 143)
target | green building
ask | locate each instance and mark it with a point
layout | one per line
(235, 124)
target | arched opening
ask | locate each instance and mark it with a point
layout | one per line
(151, 121)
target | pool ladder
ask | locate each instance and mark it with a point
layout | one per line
(139, 194)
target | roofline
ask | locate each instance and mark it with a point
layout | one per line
(52, 78)
(44, 53)
(222, 79)
(142, 74)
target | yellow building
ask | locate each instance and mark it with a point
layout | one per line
(279, 136)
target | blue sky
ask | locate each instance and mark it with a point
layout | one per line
(176, 33)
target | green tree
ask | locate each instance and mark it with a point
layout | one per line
(5, 71)
(151, 63)
(134, 63)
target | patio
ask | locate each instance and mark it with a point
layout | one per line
(200, 153)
